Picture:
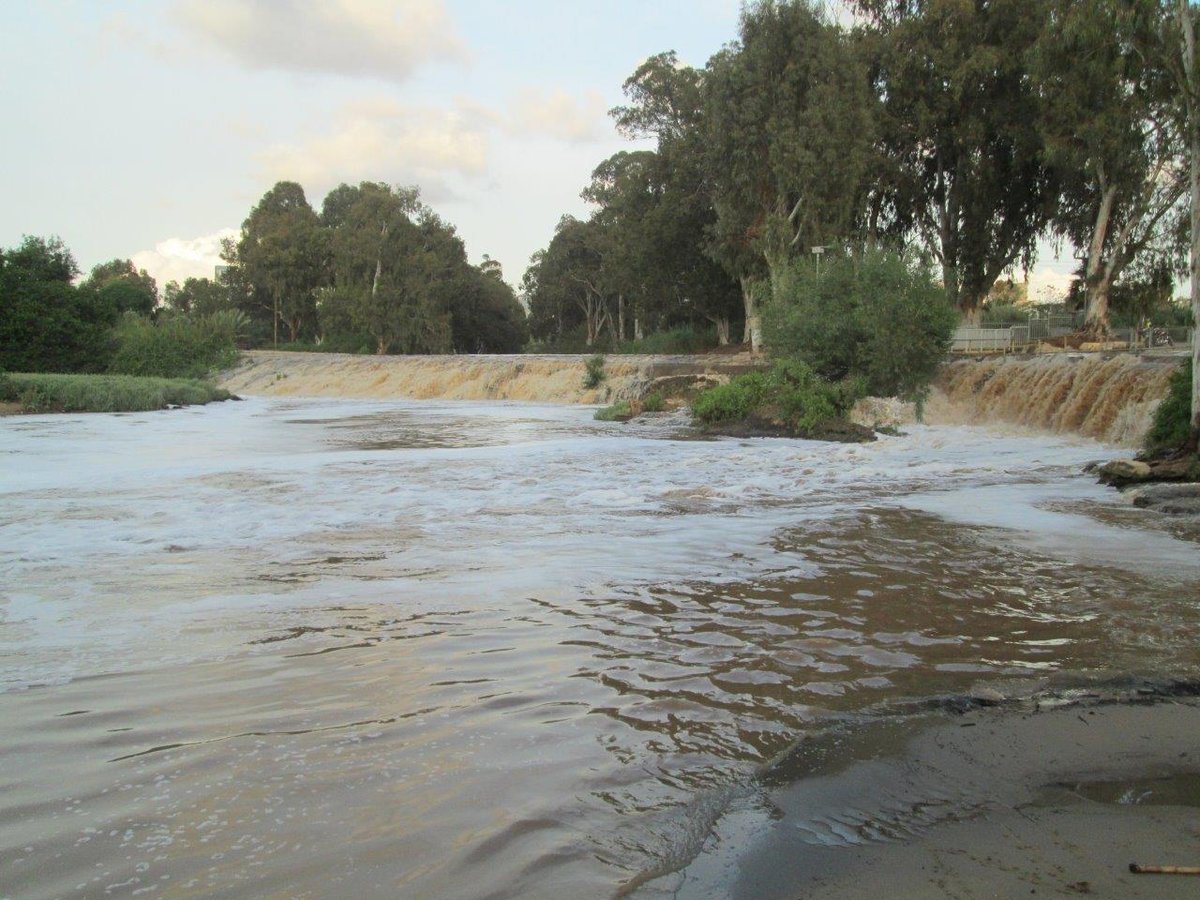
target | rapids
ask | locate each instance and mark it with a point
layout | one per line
(399, 648)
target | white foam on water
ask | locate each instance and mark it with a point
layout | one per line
(217, 511)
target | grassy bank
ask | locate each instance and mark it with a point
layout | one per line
(45, 393)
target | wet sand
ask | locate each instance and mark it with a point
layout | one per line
(1048, 796)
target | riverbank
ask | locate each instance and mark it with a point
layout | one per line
(1054, 793)
(46, 392)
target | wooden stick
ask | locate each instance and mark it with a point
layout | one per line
(1163, 870)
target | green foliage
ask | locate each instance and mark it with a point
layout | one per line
(1173, 418)
(47, 324)
(199, 297)
(733, 401)
(175, 347)
(679, 340)
(42, 393)
(594, 373)
(877, 316)
(654, 403)
(618, 412)
(790, 392)
(123, 287)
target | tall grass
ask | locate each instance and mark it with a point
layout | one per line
(44, 392)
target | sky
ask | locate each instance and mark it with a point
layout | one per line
(148, 130)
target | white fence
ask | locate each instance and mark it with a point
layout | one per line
(990, 340)
(1024, 338)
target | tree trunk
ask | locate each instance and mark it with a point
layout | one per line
(1096, 321)
(620, 318)
(1191, 87)
(1098, 278)
(753, 333)
(380, 346)
(723, 331)
(638, 334)
(275, 320)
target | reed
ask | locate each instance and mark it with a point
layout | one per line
(45, 392)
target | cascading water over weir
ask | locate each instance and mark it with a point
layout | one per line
(1108, 398)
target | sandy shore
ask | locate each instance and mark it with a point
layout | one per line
(1047, 796)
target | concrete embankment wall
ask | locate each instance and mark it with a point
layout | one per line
(536, 378)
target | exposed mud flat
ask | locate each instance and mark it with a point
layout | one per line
(1051, 794)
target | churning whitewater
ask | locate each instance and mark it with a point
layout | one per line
(457, 649)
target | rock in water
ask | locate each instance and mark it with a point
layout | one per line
(1120, 472)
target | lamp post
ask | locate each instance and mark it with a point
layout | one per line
(817, 251)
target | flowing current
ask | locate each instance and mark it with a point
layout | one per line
(389, 648)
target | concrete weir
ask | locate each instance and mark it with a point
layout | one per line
(534, 378)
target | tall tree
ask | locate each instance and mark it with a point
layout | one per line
(284, 258)
(385, 268)
(123, 286)
(960, 126)
(1111, 132)
(47, 324)
(1188, 81)
(570, 287)
(789, 129)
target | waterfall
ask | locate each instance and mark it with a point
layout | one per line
(536, 378)
(1109, 398)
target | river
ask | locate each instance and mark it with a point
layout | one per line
(399, 648)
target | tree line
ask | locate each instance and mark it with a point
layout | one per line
(375, 269)
(967, 130)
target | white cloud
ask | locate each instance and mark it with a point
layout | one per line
(381, 140)
(558, 114)
(176, 259)
(381, 38)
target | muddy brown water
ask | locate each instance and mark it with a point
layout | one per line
(307, 648)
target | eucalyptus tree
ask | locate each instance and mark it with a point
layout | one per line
(1108, 114)
(384, 268)
(1187, 80)
(568, 286)
(961, 129)
(789, 131)
(654, 216)
(283, 259)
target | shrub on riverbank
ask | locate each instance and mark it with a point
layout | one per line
(620, 411)
(878, 316)
(1173, 419)
(175, 347)
(43, 393)
(791, 397)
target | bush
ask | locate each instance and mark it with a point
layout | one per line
(654, 403)
(1173, 418)
(876, 316)
(594, 373)
(791, 392)
(176, 347)
(103, 393)
(733, 401)
(679, 340)
(618, 412)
